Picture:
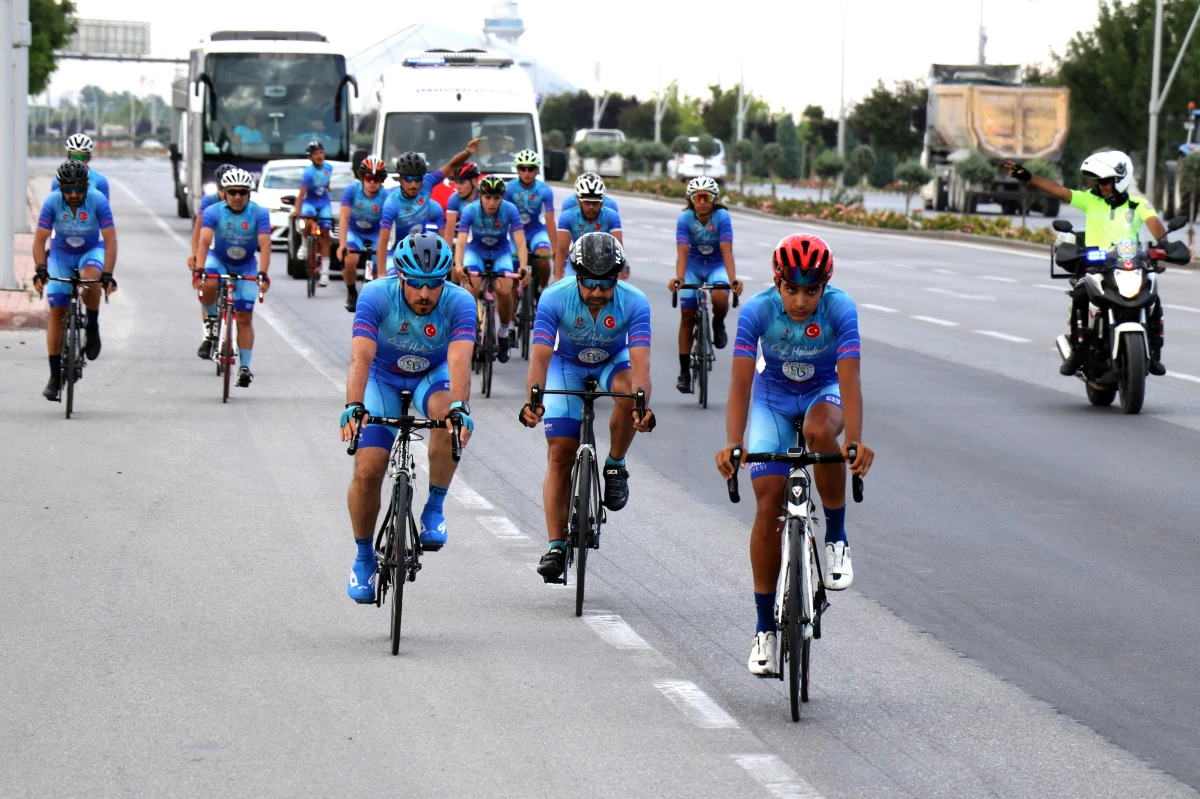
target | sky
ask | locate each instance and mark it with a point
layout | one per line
(789, 52)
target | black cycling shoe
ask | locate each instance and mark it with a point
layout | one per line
(51, 391)
(720, 337)
(616, 487)
(92, 348)
(351, 302)
(684, 383)
(1071, 365)
(205, 351)
(512, 337)
(244, 377)
(552, 565)
(1157, 369)
(502, 350)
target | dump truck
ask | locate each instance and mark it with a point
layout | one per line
(986, 108)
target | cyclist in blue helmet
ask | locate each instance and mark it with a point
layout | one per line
(413, 331)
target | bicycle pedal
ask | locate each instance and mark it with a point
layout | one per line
(555, 580)
(430, 547)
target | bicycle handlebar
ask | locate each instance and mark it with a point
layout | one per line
(256, 278)
(406, 423)
(75, 281)
(710, 286)
(798, 460)
(536, 393)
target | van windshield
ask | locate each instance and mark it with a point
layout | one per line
(440, 136)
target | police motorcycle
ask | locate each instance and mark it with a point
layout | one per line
(1121, 287)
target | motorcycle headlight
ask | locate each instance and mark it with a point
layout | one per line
(1129, 283)
(210, 188)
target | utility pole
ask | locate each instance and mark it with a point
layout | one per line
(841, 141)
(1157, 98)
(982, 36)
(743, 104)
(22, 38)
(8, 278)
(599, 100)
(660, 107)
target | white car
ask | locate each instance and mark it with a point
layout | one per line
(281, 178)
(686, 166)
(609, 168)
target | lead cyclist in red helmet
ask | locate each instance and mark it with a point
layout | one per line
(808, 331)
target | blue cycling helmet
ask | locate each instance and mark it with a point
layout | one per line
(423, 255)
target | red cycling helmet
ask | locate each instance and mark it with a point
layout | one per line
(373, 166)
(802, 260)
(468, 171)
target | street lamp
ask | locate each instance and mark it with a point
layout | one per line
(842, 102)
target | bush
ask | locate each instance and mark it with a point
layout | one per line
(862, 160)
(883, 172)
(975, 169)
(911, 176)
(828, 166)
(555, 140)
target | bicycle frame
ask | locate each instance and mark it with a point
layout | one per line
(74, 324)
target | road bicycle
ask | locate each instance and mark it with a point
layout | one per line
(800, 595)
(224, 336)
(74, 338)
(310, 237)
(703, 355)
(398, 544)
(365, 255)
(527, 312)
(586, 514)
(486, 343)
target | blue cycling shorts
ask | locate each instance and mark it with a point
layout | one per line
(358, 241)
(536, 241)
(245, 293)
(773, 415)
(63, 264)
(700, 270)
(322, 210)
(564, 414)
(382, 398)
(473, 260)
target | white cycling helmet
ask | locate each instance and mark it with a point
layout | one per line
(589, 184)
(79, 143)
(703, 183)
(237, 177)
(1111, 164)
(527, 158)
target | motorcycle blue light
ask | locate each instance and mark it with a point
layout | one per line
(1097, 255)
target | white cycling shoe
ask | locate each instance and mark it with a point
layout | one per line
(302, 252)
(762, 654)
(839, 572)
(323, 280)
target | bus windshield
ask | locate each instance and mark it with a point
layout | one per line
(271, 105)
(440, 136)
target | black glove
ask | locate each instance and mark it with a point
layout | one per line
(106, 280)
(264, 280)
(533, 410)
(42, 274)
(1020, 173)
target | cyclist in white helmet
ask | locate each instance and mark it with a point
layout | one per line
(535, 200)
(79, 148)
(590, 216)
(573, 202)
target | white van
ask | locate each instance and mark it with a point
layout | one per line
(434, 102)
(686, 166)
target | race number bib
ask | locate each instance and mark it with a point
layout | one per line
(363, 224)
(705, 249)
(412, 364)
(592, 355)
(525, 219)
(74, 241)
(236, 253)
(798, 372)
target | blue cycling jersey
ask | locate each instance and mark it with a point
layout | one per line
(704, 240)
(573, 222)
(564, 317)
(207, 201)
(490, 233)
(365, 212)
(573, 202)
(316, 183)
(95, 181)
(456, 203)
(798, 356)
(409, 215)
(75, 231)
(533, 202)
(235, 235)
(409, 344)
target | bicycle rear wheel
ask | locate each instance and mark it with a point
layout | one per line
(793, 635)
(314, 265)
(227, 350)
(584, 523)
(398, 562)
(527, 318)
(489, 347)
(71, 350)
(808, 622)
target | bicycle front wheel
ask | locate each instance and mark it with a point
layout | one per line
(397, 564)
(701, 358)
(584, 521)
(489, 348)
(227, 335)
(314, 266)
(793, 629)
(71, 350)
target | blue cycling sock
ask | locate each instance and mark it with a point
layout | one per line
(560, 545)
(835, 525)
(93, 319)
(246, 352)
(611, 461)
(765, 605)
(366, 552)
(437, 498)
(210, 310)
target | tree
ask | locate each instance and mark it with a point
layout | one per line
(912, 176)
(1042, 169)
(828, 166)
(789, 139)
(743, 153)
(772, 154)
(706, 148)
(1189, 184)
(882, 117)
(655, 154)
(862, 160)
(976, 171)
(681, 145)
(53, 23)
(881, 174)
(631, 151)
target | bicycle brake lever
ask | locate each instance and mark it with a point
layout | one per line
(455, 437)
(732, 482)
(856, 482)
(675, 299)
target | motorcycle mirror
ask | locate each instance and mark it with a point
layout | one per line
(1178, 253)
(1066, 255)
(1062, 226)
(288, 199)
(1176, 223)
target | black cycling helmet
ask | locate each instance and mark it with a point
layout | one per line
(73, 173)
(492, 186)
(468, 171)
(313, 146)
(597, 255)
(411, 164)
(220, 171)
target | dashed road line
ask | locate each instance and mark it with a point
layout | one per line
(874, 307)
(1187, 308)
(945, 271)
(1182, 376)
(998, 279)
(615, 631)
(502, 527)
(958, 295)
(776, 776)
(1004, 336)
(699, 707)
(1048, 286)
(469, 498)
(933, 320)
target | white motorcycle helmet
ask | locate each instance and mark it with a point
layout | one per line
(1111, 164)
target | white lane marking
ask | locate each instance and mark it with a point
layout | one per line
(1048, 286)
(294, 340)
(1187, 308)
(765, 244)
(883, 308)
(776, 776)
(470, 499)
(933, 320)
(960, 296)
(998, 279)
(945, 271)
(615, 631)
(1182, 376)
(1003, 336)
(502, 527)
(158, 220)
(698, 706)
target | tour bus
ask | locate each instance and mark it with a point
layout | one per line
(434, 102)
(252, 97)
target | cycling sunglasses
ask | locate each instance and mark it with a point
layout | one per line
(78, 157)
(527, 169)
(424, 282)
(73, 188)
(237, 192)
(372, 179)
(701, 196)
(593, 283)
(412, 178)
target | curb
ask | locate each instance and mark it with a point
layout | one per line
(35, 319)
(37, 314)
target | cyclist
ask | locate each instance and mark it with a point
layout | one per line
(808, 332)
(195, 260)
(363, 204)
(588, 325)
(412, 332)
(704, 254)
(588, 217)
(84, 239)
(466, 179)
(573, 202)
(535, 200)
(229, 232)
(1112, 216)
(79, 148)
(313, 200)
(484, 232)
(410, 208)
